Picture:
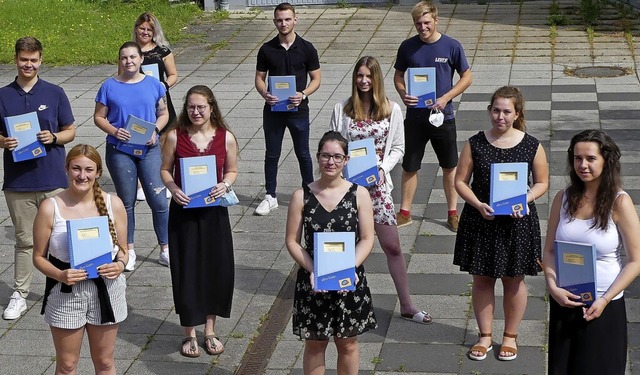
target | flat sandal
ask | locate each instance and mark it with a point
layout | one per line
(508, 349)
(479, 348)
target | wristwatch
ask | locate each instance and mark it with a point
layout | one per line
(304, 96)
(55, 139)
(227, 185)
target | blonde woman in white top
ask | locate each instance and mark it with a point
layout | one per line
(369, 114)
(72, 303)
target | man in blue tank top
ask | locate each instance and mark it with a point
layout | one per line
(28, 183)
(430, 48)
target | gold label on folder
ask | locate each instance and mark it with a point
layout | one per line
(572, 258)
(333, 247)
(508, 176)
(22, 126)
(149, 72)
(282, 85)
(357, 152)
(88, 233)
(138, 128)
(421, 78)
(198, 170)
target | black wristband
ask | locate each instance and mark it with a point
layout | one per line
(157, 131)
(55, 139)
(123, 263)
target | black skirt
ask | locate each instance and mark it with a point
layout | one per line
(202, 264)
(598, 347)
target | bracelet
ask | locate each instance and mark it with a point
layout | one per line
(157, 131)
(605, 299)
(123, 263)
(227, 185)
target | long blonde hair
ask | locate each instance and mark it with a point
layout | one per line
(92, 154)
(380, 107)
(158, 35)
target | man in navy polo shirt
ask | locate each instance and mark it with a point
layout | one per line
(430, 48)
(28, 183)
(286, 54)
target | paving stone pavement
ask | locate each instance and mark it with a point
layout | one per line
(506, 43)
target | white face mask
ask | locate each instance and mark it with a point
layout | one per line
(436, 118)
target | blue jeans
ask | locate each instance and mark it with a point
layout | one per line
(274, 124)
(125, 171)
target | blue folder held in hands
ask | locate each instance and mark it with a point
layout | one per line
(421, 83)
(283, 87)
(25, 129)
(508, 186)
(334, 260)
(362, 167)
(576, 269)
(141, 132)
(198, 176)
(90, 245)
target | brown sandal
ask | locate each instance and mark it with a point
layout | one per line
(193, 351)
(508, 349)
(479, 348)
(210, 344)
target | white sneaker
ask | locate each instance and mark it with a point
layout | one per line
(17, 305)
(163, 259)
(140, 195)
(131, 264)
(268, 203)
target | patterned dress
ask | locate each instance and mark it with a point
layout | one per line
(503, 246)
(383, 209)
(156, 56)
(318, 316)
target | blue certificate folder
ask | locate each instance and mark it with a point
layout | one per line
(509, 188)
(421, 82)
(89, 244)
(198, 176)
(151, 70)
(576, 269)
(334, 260)
(25, 129)
(362, 168)
(141, 132)
(283, 87)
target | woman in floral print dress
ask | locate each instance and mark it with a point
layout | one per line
(369, 114)
(330, 204)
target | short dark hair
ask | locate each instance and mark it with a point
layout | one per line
(28, 44)
(129, 44)
(284, 6)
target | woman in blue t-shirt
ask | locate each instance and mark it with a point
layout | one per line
(131, 93)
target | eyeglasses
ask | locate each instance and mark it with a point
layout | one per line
(194, 108)
(337, 158)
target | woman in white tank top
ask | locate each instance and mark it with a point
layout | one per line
(592, 339)
(73, 303)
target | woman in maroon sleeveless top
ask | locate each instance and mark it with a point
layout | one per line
(202, 265)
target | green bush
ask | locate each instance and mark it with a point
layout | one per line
(591, 10)
(84, 32)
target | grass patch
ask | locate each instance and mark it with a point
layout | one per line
(85, 32)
